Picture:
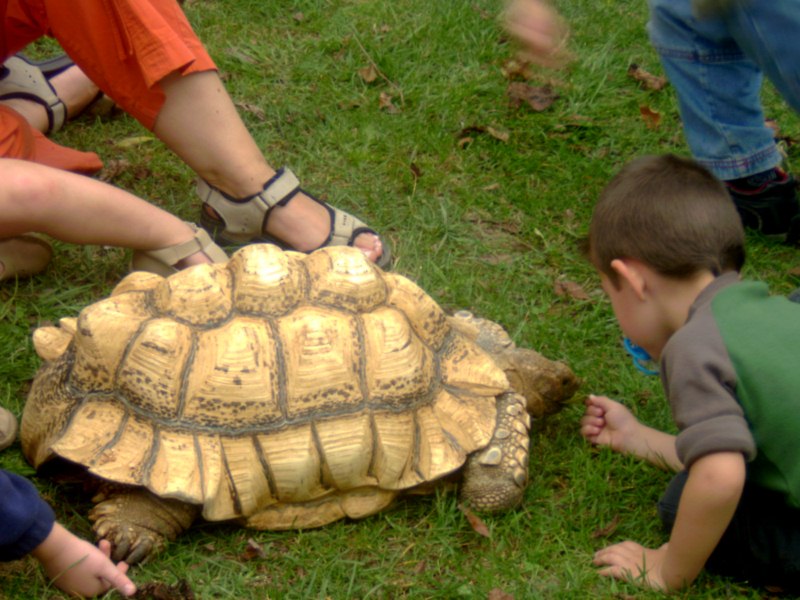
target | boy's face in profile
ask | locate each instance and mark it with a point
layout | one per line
(637, 315)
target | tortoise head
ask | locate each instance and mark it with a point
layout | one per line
(545, 384)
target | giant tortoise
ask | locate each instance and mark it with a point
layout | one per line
(280, 390)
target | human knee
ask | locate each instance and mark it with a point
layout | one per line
(26, 186)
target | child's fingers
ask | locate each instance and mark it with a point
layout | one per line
(116, 578)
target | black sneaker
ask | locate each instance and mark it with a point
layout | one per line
(767, 202)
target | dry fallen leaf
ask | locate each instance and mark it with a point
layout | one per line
(498, 594)
(113, 168)
(569, 289)
(298, 16)
(415, 170)
(608, 529)
(652, 118)
(475, 522)
(368, 73)
(137, 140)
(252, 550)
(252, 109)
(162, 591)
(539, 98)
(497, 134)
(385, 102)
(516, 68)
(645, 79)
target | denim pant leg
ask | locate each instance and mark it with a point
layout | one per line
(718, 88)
(762, 542)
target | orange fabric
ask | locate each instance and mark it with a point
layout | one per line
(125, 46)
(19, 140)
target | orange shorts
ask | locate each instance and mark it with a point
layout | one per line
(19, 140)
(125, 46)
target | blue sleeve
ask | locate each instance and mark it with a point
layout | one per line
(25, 519)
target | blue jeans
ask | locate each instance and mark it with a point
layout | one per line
(716, 64)
(762, 542)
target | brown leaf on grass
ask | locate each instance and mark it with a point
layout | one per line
(299, 17)
(539, 98)
(162, 591)
(253, 550)
(516, 68)
(385, 103)
(368, 73)
(113, 168)
(475, 522)
(498, 594)
(652, 118)
(491, 131)
(242, 55)
(415, 170)
(647, 80)
(608, 529)
(252, 109)
(569, 289)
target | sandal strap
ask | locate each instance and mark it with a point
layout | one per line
(26, 81)
(345, 228)
(245, 218)
(163, 260)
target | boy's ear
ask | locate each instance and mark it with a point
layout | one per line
(630, 274)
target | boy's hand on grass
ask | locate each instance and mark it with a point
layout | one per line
(607, 422)
(79, 567)
(541, 30)
(633, 562)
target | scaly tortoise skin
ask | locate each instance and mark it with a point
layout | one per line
(281, 390)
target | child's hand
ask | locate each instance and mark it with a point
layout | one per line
(606, 422)
(80, 568)
(632, 562)
(540, 29)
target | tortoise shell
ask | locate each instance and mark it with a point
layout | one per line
(273, 380)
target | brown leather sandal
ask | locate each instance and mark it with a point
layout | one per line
(24, 255)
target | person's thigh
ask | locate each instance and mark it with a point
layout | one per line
(127, 46)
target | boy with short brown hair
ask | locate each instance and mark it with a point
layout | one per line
(668, 244)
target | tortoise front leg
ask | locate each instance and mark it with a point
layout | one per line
(495, 477)
(137, 522)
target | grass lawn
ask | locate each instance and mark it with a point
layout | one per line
(398, 111)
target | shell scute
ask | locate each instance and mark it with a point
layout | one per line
(232, 382)
(321, 351)
(150, 375)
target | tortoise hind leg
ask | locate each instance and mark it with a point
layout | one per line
(495, 477)
(137, 522)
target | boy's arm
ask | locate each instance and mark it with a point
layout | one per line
(707, 504)
(606, 422)
(79, 567)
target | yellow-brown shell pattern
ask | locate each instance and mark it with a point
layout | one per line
(276, 378)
